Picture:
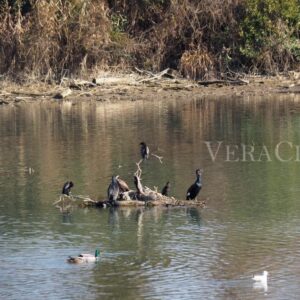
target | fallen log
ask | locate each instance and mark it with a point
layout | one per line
(63, 94)
(148, 198)
(142, 196)
(168, 73)
(147, 201)
(292, 88)
(80, 84)
(225, 82)
(113, 81)
(134, 203)
(3, 102)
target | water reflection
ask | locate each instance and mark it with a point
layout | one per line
(251, 222)
(67, 218)
(194, 214)
(260, 286)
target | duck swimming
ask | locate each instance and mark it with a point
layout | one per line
(261, 278)
(84, 258)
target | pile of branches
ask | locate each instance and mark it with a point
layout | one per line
(141, 196)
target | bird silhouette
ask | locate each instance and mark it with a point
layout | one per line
(113, 190)
(195, 188)
(144, 151)
(166, 189)
(67, 188)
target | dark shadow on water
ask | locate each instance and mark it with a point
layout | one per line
(67, 218)
(194, 214)
(113, 217)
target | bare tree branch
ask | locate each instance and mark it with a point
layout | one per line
(158, 157)
(138, 172)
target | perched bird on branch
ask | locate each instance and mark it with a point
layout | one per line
(113, 190)
(166, 189)
(144, 151)
(67, 188)
(195, 188)
(123, 186)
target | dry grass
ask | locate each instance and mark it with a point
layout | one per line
(202, 39)
(56, 38)
(192, 36)
(197, 64)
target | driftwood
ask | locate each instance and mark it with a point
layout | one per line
(142, 196)
(225, 82)
(113, 81)
(3, 102)
(63, 94)
(292, 88)
(79, 84)
(147, 200)
(29, 94)
(169, 73)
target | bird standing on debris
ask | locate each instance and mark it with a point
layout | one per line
(113, 190)
(123, 186)
(67, 188)
(195, 188)
(144, 151)
(166, 189)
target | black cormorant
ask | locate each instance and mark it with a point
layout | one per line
(113, 190)
(195, 188)
(67, 188)
(144, 151)
(166, 189)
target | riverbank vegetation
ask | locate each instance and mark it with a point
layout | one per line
(201, 39)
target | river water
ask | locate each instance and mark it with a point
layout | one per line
(249, 151)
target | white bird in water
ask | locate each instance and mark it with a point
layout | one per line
(261, 278)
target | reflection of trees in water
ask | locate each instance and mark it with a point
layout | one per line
(85, 141)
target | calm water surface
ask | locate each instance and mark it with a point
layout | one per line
(251, 223)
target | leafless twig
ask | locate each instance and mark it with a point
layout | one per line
(138, 172)
(158, 157)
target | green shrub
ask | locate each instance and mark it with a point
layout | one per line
(270, 27)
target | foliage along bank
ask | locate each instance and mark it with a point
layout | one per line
(201, 39)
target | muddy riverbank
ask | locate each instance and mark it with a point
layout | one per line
(111, 87)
